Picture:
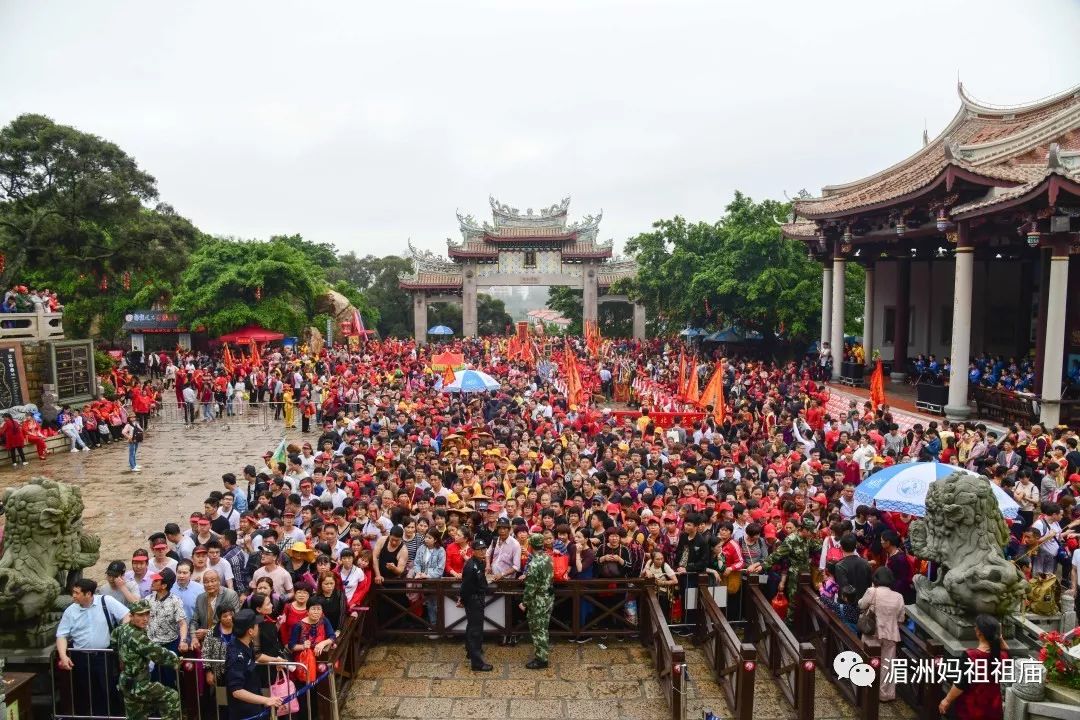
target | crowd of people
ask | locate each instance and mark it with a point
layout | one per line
(393, 479)
(21, 299)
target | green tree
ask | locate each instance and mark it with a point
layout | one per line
(323, 255)
(218, 290)
(738, 271)
(569, 303)
(491, 315)
(377, 279)
(63, 195)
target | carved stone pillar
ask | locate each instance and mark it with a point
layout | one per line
(420, 317)
(826, 305)
(639, 321)
(591, 294)
(837, 315)
(1054, 355)
(960, 353)
(469, 323)
(868, 317)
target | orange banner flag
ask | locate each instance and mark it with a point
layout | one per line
(877, 385)
(693, 394)
(682, 374)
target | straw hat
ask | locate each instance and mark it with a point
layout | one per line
(301, 551)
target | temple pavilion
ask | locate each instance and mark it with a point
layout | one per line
(971, 249)
(533, 248)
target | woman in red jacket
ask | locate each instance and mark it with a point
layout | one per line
(13, 439)
(32, 430)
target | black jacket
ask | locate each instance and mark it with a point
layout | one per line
(474, 582)
(698, 552)
(854, 571)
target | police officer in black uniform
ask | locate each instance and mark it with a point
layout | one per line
(474, 586)
(241, 675)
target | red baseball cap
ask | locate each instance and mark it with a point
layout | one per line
(204, 521)
(160, 545)
(1074, 478)
(821, 499)
(140, 554)
(199, 550)
(724, 506)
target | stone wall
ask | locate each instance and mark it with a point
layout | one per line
(35, 355)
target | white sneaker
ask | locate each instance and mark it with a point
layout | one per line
(74, 449)
(86, 449)
(136, 469)
(24, 462)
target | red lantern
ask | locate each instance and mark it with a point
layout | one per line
(780, 604)
(258, 292)
(126, 280)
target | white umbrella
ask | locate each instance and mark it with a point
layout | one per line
(903, 488)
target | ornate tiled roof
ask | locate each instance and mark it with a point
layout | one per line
(430, 280)
(998, 195)
(997, 143)
(799, 230)
(546, 229)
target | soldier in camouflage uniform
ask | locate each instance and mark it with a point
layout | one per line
(136, 650)
(796, 549)
(538, 600)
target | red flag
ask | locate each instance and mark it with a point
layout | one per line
(877, 385)
(227, 359)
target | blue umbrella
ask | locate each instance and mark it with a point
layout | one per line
(470, 381)
(440, 330)
(692, 332)
(903, 488)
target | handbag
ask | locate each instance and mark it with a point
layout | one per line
(734, 582)
(309, 671)
(867, 622)
(283, 688)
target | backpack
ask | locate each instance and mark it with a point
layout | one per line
(137, 434)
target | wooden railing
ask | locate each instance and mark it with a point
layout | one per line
(582, 608)
(1005, 406)
(733, 662)
(922, 697)
(830, 637)
(669, 659)
(346, 659)
(791, 663)
(32, 326)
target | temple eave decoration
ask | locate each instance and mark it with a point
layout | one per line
(510, 233)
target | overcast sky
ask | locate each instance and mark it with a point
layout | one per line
(366, 124)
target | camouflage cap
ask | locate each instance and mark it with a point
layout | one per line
(139, 607)
(536, 540)
(809, 523)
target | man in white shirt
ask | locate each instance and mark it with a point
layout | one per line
(87, 625)
(228, 511)
(333, 493)
(160, 561)
(183, 544)
(190, 398)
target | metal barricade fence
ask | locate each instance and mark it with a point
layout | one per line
(263, 415)
(90, 690)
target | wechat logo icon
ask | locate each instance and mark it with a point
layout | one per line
(850, 666)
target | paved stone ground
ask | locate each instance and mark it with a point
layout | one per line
(432, 680)
(180, 468)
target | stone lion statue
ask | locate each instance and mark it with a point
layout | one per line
(964, 533)
(43, 542)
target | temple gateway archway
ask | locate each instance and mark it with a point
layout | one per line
(534, 248)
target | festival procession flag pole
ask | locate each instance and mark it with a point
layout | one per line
(877, 385)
